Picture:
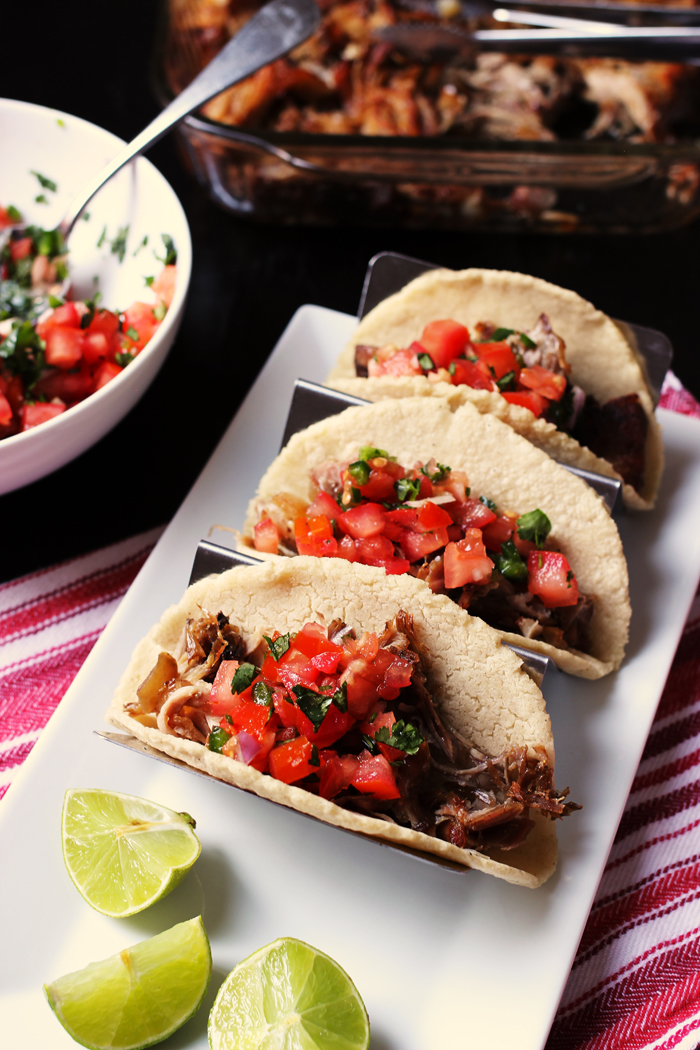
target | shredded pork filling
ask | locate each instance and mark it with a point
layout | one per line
(448, 788)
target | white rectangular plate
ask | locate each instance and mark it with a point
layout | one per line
(441, 959)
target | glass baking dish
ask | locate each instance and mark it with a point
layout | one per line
(437, 182)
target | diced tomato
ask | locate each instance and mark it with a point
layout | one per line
(347, 549)
(381, 483)
(267, 742)
(471, 514)
(362, 691)
(64, 347)
(467, 373)
(20, 248)
(337, 772)
(527, 399)
(313, 641)
(266, 537)
(444, 340)
(314, 536)
(402, 363)
(374, 776)
(543, 382)
(497, 532)
(416, 545)
(551, 579)
(290, 762)
(251, 717)
(373, 550)
(68, 386)
(366, 520)
(105, 322)
(498, 358)
(431, 516)
(221, 698)
(34, 415)
(107, 371)
(66, 315)
(297, 669)
(406, 517)
(5, 411)
(323, 505)
(466, 561)
(5, 218)
(334, 726)
(95, 347)
(164, 284)
(142, 320)
(383, 720)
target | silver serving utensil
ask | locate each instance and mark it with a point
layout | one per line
(273, 31)
(610, 11)
(440, 43)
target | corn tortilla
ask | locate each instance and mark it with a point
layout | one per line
(480, 685)
(501, 465)
(603, 356)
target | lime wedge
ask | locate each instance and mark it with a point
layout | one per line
(288, 996)
(123, 852)
(138, 997)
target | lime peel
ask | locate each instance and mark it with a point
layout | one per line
(139, 996)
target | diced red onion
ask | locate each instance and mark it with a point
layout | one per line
(248, 746)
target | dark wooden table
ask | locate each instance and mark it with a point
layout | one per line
(247, 282)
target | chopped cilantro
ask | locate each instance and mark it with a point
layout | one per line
(119, 243)
(368, 452)
(48, 242)
(369, 743)
(426, 362)
(160, 310)
(527, 342)
(407, 488)
(488, 503)
(314, 760)
(61, 271)
(170, 256)
(148, 281)
(85, 216)
(534, 526)
(439, 475)
(504, 382)
(340, 697)
(279, 647)
(500, 334)
(123, 359)
(262, 694)
(314, 705)
(40, 199)
(102, 237)
(46, 184)
(132, 333)
(403, 736)
(569, 577)
(23, 352)
(243, 677)
(359, 472)
(13, 213)
(509, 563)
(217, 738)
(142, 245)
(55, 302)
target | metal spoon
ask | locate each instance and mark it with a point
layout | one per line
(276, 29)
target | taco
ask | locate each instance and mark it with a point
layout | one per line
(459, 500)
(309, 683)
(539, 357)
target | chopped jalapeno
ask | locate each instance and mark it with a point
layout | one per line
(262, 694)
(527, 342)
(217, 738)
(426, 362)
(359, 472)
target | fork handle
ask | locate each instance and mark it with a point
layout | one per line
(275, 30)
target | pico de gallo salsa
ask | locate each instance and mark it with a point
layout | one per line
(349, 719)
(424, 520)
(55, 352)
(526, 368)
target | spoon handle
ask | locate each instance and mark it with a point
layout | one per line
(276, 29)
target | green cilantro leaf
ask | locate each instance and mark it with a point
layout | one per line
(142, 245)
(170, 256)
(500, 334)
(40, 199)
(369, 743)
(439, 475)
(262, 694)
(403, 736)
(119, 243)
(314, 705)
(340, 697)
(510, 563)
(103, 237)
(488, 503)
(46, 184)
(243, 677)
(279, 647)
(148, 281)
(160, 310)
(314, 760)
(13, 213)
(55, 302)
(504, 382)
(534, 526)
(123, 359)
(527, 342)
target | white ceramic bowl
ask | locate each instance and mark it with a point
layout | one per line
(68, 151)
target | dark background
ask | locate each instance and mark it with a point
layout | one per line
(94, 61)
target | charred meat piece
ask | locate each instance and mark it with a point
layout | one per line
(616, 431)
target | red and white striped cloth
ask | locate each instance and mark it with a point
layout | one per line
(635, 983)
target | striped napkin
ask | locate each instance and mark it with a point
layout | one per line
(635, 982)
